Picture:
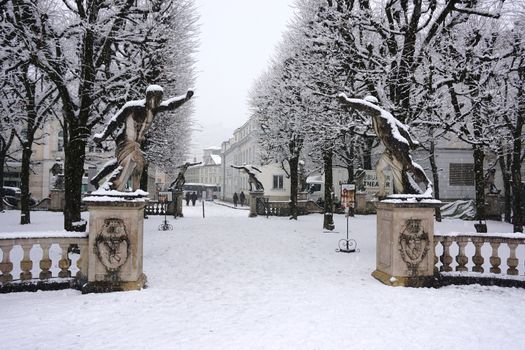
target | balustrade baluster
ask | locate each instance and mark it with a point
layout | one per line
(65, 262)
(512, 260)
(462, 259)
(495, 260)
(6, 266)
(445, 258)
(45, 263)
(477, 258)
(82, 262)
(26, 264)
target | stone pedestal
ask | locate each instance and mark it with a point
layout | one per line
(115, 244)
(364, 204)
(405, 242)
(493, 207)
(254, 197)
(178, 198)
(57, 200)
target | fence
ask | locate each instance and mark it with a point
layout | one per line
(156, 208)
(282, 208)
(478, 257)
(44, 262)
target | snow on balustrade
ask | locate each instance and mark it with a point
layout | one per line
(42, 257)
(486, 251)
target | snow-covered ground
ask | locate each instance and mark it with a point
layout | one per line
(230, 282)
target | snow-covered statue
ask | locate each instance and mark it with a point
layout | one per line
(132, 122)
(181, 180)
(408, 175)
(57, 176)
(252, 179)
(359, 178)
(489, 181)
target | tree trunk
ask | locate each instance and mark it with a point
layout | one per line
(74, 151)
(328, 222)
(367, 154)
(435, 176)
(25, 210)
(350, 170)
(350, 156)
(517, 217)
(294, 173)
(4, 147)
(479, 182)
(2, 164)
(506, 188)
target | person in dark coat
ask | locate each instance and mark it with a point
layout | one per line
(193, 198)
(235, 199)
(188, 197)
(242, 198)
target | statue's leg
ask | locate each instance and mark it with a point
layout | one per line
(105, 171)
(120, 180)
(381, 165)
(397, 174)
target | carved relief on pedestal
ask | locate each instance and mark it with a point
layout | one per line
(112, 245)
(413, 244)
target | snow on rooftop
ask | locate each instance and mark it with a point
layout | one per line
(216, 159)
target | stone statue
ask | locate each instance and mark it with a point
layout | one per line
(58, 176)
(133, 121)
(359, 178)
(398, 142)
(489, 181)
(252, 179)
(181, 180)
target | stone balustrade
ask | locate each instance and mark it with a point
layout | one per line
(479, 253)
(282, 208)
(156, 208)
(32, 260)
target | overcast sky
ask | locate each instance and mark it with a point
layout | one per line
(237, 39)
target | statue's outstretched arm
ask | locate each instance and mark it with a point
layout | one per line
(360, 105)
(411, 142)
(174, 102)
(256, 169)
(113, 123)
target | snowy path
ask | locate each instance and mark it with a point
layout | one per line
(230, 282)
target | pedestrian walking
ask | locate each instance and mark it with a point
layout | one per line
(193, 198)
(235, 199)
(187, 198)
(242, 198)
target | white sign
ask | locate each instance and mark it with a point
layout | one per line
(372, 185)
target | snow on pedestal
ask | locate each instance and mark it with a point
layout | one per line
(405, 242)
(116, 226)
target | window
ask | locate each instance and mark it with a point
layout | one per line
(60, 141)
(461, 174)
(278, 182)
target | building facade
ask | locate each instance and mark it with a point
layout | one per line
(209, 171)
(242, 149)
(48, 152)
